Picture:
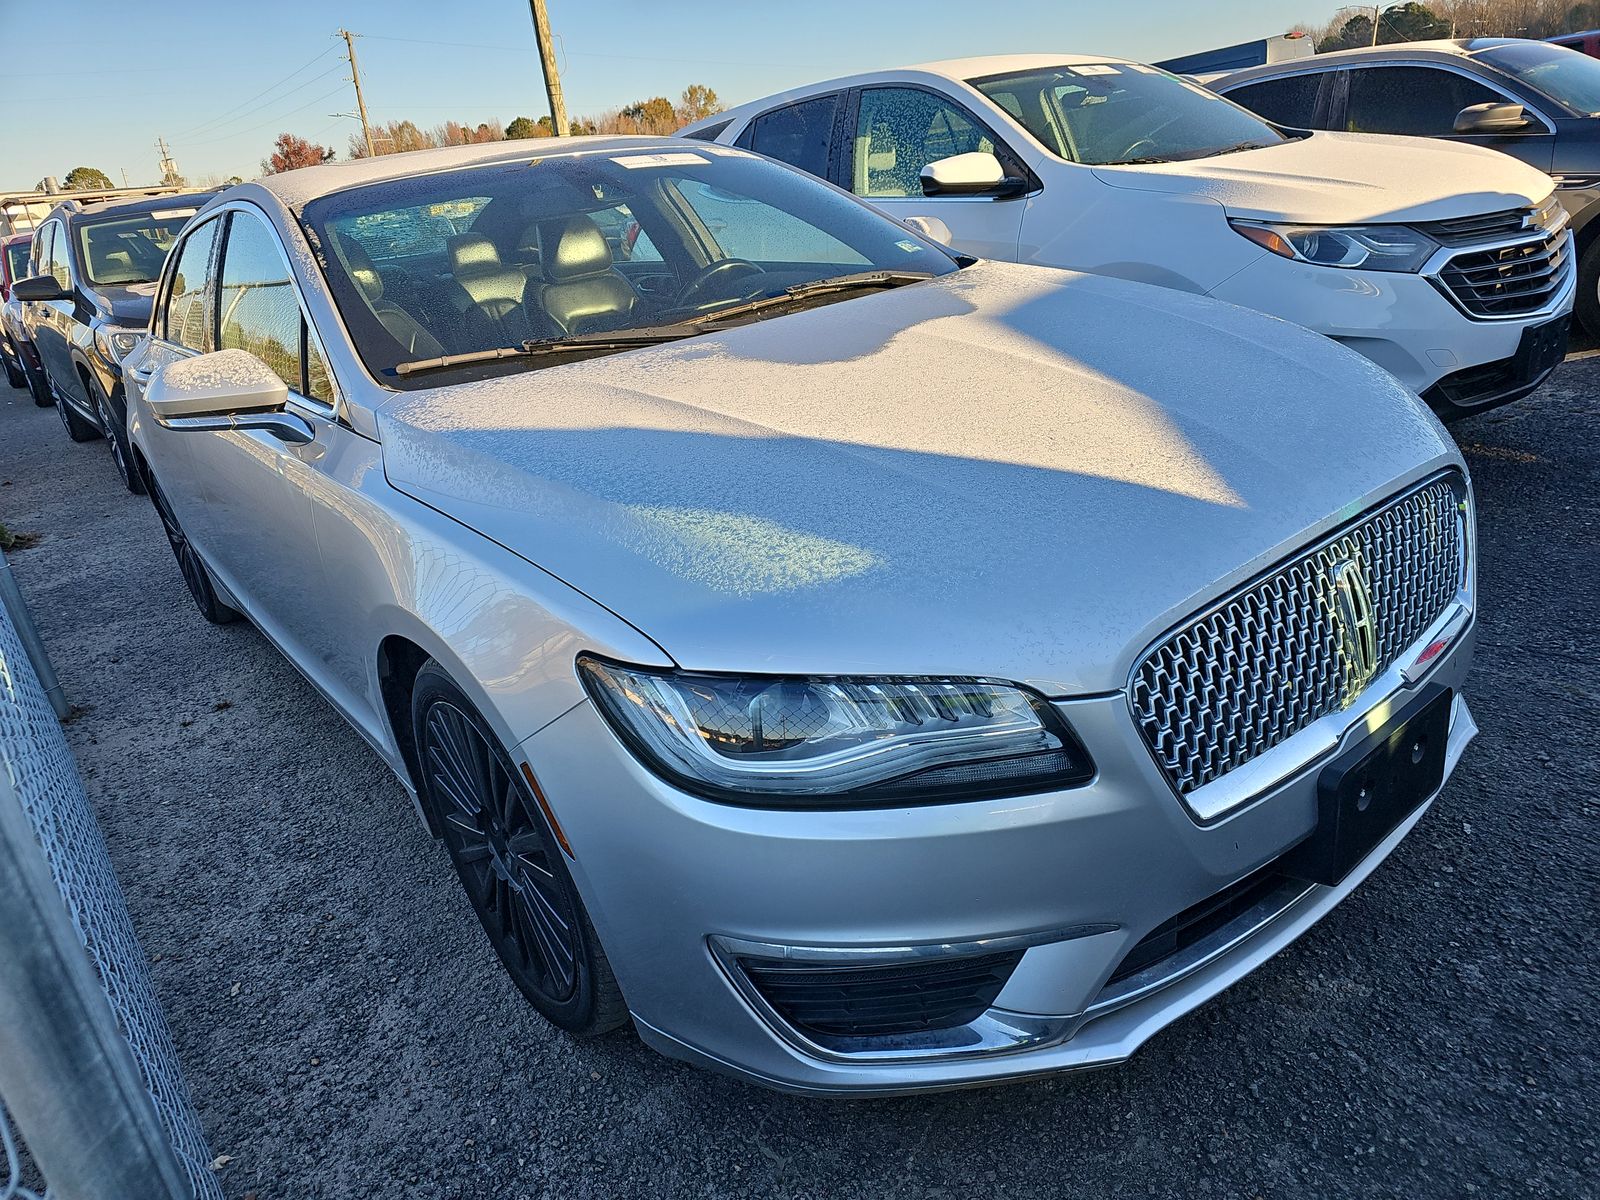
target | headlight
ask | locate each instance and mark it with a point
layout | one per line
(801, 741)
(1369, 247)
(116, 344)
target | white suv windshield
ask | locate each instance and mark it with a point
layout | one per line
(582, 247)
(1105, 114)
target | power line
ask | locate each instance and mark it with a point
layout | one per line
(269, 121)
(707, 62)
(223, 116)
(219, 132)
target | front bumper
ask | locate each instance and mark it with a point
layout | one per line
(1076, 879)
(1402, 322)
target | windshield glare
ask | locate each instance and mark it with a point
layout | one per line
(1102, 114)
(1567, 76)
(129, 249)
(584, 244)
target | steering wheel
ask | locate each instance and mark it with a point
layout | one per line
(724, 268)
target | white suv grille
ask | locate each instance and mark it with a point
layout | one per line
(1260, 666)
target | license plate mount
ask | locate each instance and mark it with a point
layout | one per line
(1374, 785)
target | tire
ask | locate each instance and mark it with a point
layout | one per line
(77, 428)
(1587, 306)
(195, 572)
(38, 387)
(15, 375)
(510, 863)
(116, 432)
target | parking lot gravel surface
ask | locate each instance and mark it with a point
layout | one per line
(348, 1033)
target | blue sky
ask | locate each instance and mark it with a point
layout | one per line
(98, 81)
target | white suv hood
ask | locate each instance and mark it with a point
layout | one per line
(1007, 471)
(1345, 178)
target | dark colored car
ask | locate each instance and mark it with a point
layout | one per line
(88, 304)
(1533, 100)
(21, 362)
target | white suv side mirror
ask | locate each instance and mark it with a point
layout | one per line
(977, 173)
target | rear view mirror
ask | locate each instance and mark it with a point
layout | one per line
(931, 228)
(1492, 118)
(39, 287)
(978, 173)
(229, 389)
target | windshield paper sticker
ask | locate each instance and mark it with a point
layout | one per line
(681, 159)
(1096, 69)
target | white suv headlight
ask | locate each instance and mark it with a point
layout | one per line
(1367, 247)
(807, 741)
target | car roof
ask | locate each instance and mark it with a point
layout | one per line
(1441, 50)
(25, 236)
(297, 188)
(960, 70)
(145, 204)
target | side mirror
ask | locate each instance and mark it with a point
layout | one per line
(1492, 118)
(978, 173)
(225, 390)
(931, 228)
(39, 287)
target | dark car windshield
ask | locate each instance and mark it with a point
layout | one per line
(1567, 76)
(1109, 113)
(129, 249)
(17, 259)
(581, 246)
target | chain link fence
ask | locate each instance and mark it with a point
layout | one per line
(87, 1064)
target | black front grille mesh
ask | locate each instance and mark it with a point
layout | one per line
(876, 1001)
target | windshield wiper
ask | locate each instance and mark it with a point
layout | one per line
(628, 339)
(654, 335)
(1239, 146)
(817, 287)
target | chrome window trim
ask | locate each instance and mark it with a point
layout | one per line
(1433, 64)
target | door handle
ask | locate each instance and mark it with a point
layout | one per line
(141, 375)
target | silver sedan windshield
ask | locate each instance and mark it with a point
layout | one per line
(463, 271)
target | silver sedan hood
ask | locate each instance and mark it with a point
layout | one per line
(1008, 471)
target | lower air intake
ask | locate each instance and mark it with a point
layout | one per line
(857, 1001)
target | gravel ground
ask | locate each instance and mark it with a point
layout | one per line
(347, 1032)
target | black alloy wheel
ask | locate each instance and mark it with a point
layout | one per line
(117, 439)
(510, 863)
(194, 570)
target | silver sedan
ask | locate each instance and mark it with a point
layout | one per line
(865, 668)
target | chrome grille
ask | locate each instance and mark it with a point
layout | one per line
(1260, 666)
(1509, 278)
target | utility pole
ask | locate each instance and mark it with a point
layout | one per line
(1376, 17)
(552, 78)
(169, 169)
(355, 78)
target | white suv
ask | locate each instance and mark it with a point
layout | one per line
(1451, 266)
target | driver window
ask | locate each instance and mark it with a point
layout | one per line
(762, 233)
(1420, 101)
(188, 319)
(902, 130)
